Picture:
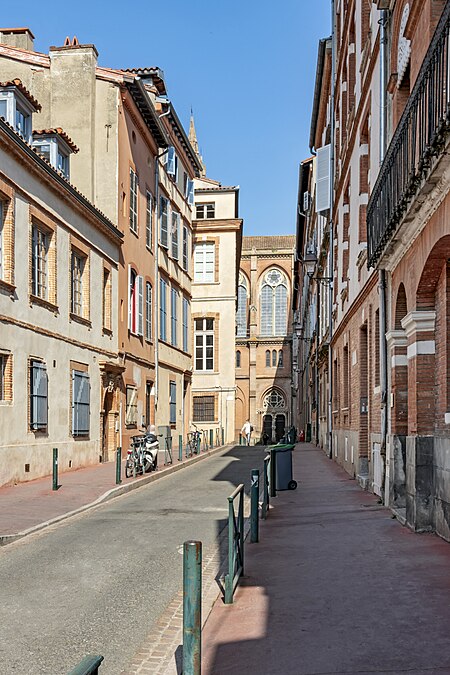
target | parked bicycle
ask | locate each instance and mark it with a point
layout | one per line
(194, 440)
(142, 457)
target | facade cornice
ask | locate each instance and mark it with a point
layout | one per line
(419, 321)
(218, 224)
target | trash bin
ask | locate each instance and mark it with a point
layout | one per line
(283, 464)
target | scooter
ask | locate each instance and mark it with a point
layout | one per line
(142, 457)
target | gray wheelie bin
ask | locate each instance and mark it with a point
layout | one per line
(283, 464)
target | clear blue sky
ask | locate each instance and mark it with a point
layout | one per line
(246, 67)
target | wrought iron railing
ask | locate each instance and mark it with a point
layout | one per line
(419, 137)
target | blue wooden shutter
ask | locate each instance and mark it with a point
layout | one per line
(80, 403)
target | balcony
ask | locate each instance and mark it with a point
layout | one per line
(416, 149)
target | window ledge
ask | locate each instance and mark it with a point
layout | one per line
(107, 331)
(7, 286)
(36, 300)
(80, 319)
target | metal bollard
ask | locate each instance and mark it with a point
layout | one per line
(192, 607)
(180, 448)
(211, 438)
(118, 465)
(223, 436)
(55, 469)
(254, 507)
(198, 444)
(273, 474)
(240, 439)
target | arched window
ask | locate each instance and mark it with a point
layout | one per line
(280, 358)
(274, 357)
(274, 399)
(273, 304)
(238, 359)
(267, 358)
(241, 314)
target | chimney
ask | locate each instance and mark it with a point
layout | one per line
(17, 37)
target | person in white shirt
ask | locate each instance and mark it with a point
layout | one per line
(247, 431)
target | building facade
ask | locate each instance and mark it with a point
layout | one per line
(217, 251)
(59, 258)
(264, 336)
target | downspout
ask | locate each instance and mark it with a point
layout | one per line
(382, 272)
(317, 360)
(331, 255)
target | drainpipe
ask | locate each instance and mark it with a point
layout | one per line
(317, 360)
(331, 256)
(382, 272)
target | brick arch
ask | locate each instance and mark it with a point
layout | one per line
(432, 270)
(401, 307)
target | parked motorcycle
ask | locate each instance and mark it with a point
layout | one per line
(142, 457)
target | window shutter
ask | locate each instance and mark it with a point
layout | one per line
(130, 308)
(80, 403)
(171, 161)
(190, 192)
(164, 218)
(323, 167)
(139, 310)
(39, 396)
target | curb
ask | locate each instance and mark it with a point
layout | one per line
(6, 539)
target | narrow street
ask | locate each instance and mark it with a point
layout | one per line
(99, 582)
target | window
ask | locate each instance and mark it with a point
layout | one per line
(267, 358)
(131, 406)
(377, 349)
(17, 111)
(173, 402)
(204, 262)
(78, 264)
(149, 221)
(135, 302)
(274, 357)
(205, 211)
(62, 163)
(2, 220)
(172, 163)
(44, 150)
(38, 396)
(203, 409)
(204, 344)
(185, 324)
(185, 248)
(107, 298)
(80, 403)
(280, 358)
(5, 377)
(40, 244)
(23, 123)
(241, 314)
(163, 309)
(190, 192)
(346, 381)
(273, 300)
(174, 317)
(148, 311)
(163, 221)
(175, 230)
(238, 359)
(133, 201)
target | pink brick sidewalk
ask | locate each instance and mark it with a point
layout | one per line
(335, 585)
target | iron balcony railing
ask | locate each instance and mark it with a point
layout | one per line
(420, 136)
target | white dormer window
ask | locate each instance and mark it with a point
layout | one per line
(53, 146)
(17, 110)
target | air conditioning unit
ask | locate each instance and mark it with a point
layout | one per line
(306, 202)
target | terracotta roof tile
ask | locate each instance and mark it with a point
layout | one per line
(18, 83)
(58, 132)
(269, 243)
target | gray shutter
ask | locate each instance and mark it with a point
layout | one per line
(171, 161)
(80, 403)
(39, 396)
(323, 167)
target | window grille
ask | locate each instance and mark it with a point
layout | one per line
(203, 409)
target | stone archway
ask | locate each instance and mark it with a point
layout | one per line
(274, 412)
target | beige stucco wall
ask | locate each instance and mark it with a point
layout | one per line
(30, 329)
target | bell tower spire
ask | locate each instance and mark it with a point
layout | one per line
(194, 142)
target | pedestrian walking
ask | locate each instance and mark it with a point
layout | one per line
(247, 431)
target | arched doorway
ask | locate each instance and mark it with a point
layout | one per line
(275, 414)
(280, 426)
(267, 428)
(399, 410)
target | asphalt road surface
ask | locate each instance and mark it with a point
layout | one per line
(97, 583)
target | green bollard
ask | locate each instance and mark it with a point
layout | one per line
(55, 469)
(198, 444)
(223, 436)
(254, 507)
(118, 465)
(192, 607)
(180, 448)
(211, 438)
(240, 439)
